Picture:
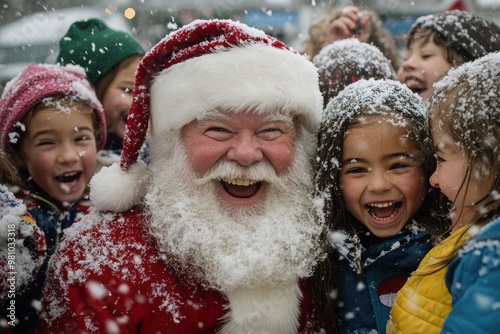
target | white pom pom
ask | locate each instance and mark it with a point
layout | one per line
(112, 189)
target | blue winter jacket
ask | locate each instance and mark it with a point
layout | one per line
(369, 278)
(473, 279)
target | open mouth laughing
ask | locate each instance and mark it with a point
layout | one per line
(241, 188)
(69, 182)
(68, 177)
(383, 211)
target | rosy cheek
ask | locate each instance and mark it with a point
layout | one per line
(282, 158)
(201, 160)
(199, 168)
(283, 166)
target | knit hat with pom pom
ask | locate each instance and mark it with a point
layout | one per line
(96, 47)
(203, 66)
(37, 82)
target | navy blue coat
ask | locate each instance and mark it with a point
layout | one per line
(369, 277)
(53, 218)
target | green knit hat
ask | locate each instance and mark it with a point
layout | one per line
(96, 47)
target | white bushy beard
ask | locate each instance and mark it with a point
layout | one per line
(275, 243)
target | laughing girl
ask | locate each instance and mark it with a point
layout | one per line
(374, 162)
(52, 125)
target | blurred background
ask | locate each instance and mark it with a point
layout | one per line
(30, 29)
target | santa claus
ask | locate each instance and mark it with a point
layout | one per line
(216, 233)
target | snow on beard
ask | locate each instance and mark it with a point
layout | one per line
(272, 243)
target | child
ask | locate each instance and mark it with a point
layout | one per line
(351, 22)
(373, 165)
(457, 285)
(110, 58)
(52, 124)
(439, 42)
(346, 61)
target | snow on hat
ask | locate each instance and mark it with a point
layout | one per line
(37, 82)
(346, 61)
(96, 47)
(470, 36)
(205, 65)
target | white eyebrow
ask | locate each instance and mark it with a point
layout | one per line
(287, 119)
(213, 115)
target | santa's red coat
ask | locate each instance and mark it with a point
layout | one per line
(108, 276)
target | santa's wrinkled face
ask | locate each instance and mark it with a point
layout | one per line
(244, 139)
(230, 199)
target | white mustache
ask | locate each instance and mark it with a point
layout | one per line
(261, 171)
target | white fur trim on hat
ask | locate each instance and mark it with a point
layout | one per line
(128, 187)
(254, 76)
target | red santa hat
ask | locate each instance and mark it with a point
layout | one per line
(203, 66)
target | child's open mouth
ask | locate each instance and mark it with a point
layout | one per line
(416, 86)
(68, 177)
(383, 211)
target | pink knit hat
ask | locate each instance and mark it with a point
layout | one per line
(203, 66)
(38, 81)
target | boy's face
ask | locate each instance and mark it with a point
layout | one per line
(118, 99)
(382, 181)
(424, 64)
(59, 151)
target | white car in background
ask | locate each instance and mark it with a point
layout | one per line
(35, 38)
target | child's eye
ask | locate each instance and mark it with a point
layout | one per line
(44, 142)
(355, 170)
(127, 90)
(405, 161)
(82, 138)
(438, 157)
(400, 166)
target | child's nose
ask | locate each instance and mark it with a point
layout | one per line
(69, 154)
(245, 150)
(433, 180)
(379, 182)
(408, 64)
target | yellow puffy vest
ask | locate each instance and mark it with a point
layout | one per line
(424, 302)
